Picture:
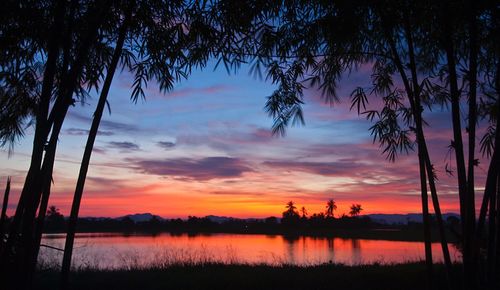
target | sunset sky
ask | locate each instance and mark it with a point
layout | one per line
(206, 148)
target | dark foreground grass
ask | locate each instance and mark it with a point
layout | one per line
(220, 276)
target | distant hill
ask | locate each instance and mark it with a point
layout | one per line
(223, 219)
(219, 219)
(141, 217)
(380, 218)
(403, 218)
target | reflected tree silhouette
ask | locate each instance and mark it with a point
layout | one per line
(356, 252)
(331, 249)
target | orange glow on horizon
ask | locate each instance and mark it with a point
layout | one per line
(174, 205)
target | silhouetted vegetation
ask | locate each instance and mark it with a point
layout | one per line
(291, 225)
(221, 276)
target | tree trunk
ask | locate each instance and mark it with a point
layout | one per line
(41, 129)
(70, 236)
(470, 199)
(3, 216)
(496, 273)
(423, 185)
(491, 257)
(465, 214)
(424, 159)
(58, 113)
(9, 271)
(472, 77)
(439, 218)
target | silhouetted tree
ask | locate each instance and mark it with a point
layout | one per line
(271, 220)
(303, 212)
(355, 210)
(290, 215)
(330, 208)
(117, 54)
(387, 37)
(53, 214)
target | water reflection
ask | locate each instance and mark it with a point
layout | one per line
(118, 251)
(356, 252)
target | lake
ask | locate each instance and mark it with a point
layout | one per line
(111, 251)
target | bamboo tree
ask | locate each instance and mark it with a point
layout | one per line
(23, 256)
(492, 190)
(70, 236)
(41, 130)
(472, 114)
(416, 108)
(457, 144)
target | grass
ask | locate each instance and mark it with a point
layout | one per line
(244, 276)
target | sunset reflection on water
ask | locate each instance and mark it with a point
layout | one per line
(126, 251)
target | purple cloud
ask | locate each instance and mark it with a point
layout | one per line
(83, 132)
(166, 144)
(198, 91)
(108, 125)
(124, 146)
(195, 169)
(320, 168)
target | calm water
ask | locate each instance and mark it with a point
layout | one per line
(124, 251)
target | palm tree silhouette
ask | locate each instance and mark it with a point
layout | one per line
(355, 209)
(330, 208)
(290, 215)
(291, 208)
(303, 211)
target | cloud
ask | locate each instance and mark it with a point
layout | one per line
(124, 146)
(166, 144)
(221, 140)
(198, 91)
(99, 150)
(320, 168)
(107, 125)
(369, 172)
(195, 169)
(83, 132)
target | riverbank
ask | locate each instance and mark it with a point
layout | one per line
(221, 276)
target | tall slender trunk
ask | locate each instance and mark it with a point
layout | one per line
(439, 216)
(425, 212)
(472, 120)
(491, 256)
(423, 185)
(48, 168)
(30, 259)
(465, 214)
(422, 147)
(496, 273)
(58, 113)
(3, 216)
(472, 78)
(493, 218)
(70, 236)
(424, 158)
(41, 131)
(491, 189)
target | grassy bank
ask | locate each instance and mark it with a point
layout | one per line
(220, 276)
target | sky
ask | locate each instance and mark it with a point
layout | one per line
(206, 148)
